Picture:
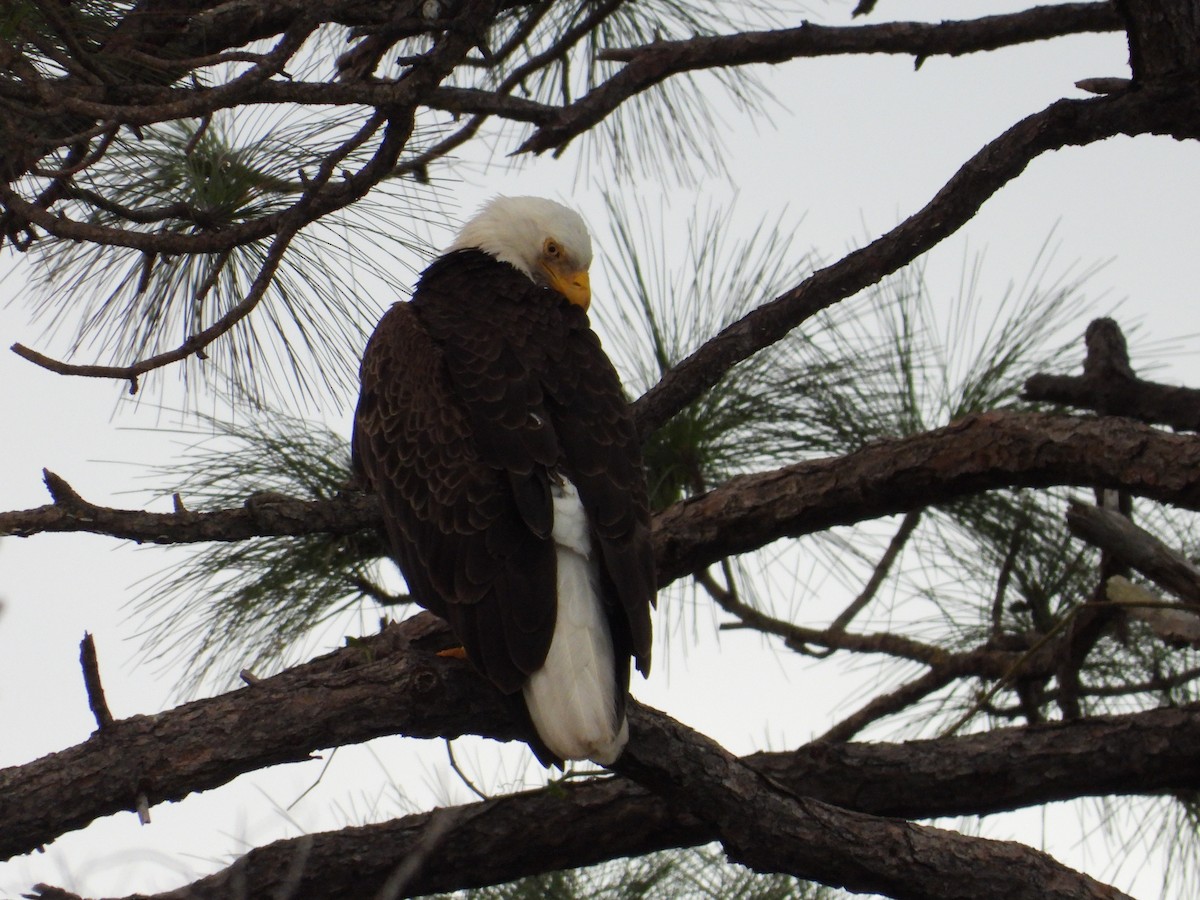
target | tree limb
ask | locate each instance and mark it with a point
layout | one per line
(395, 683)
(651, 64)
(765, 826)
(1064, 123)
(345, 514)
(986, 451)
(1108, 385)
(1136, 547)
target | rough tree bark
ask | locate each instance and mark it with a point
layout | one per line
(395, 683)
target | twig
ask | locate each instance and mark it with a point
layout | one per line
(461, 774)
(91, 682)
(887, 704)
(320, 775)
(75, 167)
(907, 526)
(1002, 580)
(194, 345)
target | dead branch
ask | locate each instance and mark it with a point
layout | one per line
(345, 514)
(1136, 547)
(91, 682)
(1109, 386)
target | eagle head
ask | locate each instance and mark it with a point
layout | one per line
(547, 241)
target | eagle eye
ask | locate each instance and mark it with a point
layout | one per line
(551, 248)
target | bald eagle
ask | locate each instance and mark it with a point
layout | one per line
(494, 430)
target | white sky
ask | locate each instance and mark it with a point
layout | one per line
(853, 147)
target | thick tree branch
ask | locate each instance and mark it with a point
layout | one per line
(981, 452)
(763, 825)
(394, 683)
(1164, 42)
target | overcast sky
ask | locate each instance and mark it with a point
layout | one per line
(850, 148)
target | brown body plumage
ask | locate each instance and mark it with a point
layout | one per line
(480, 399)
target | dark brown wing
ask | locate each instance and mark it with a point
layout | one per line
(474, 396)
(457, 537)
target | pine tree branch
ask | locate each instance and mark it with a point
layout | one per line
(391, 684)
(1136, 547)
(768, 828)
(345, 514)
(879, 574)
(652, 64)
(892, 702)
(195, 343)
(324, 195)
(395, 684)
(981, 452)
(1064, 123)
(1109, 386)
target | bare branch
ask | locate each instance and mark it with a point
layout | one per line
(345, 514)
(1109, 386)
(193, 345)
(654, 63)
(1066, 122)
(396, 683)
(907, 526)
(981, 452)
(91, 682)
(890, 703)
(1136, 547)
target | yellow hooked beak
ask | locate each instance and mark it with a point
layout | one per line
(575, 286)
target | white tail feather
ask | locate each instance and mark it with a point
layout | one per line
(571, 699)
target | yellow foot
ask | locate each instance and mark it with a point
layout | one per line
(454, 653)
